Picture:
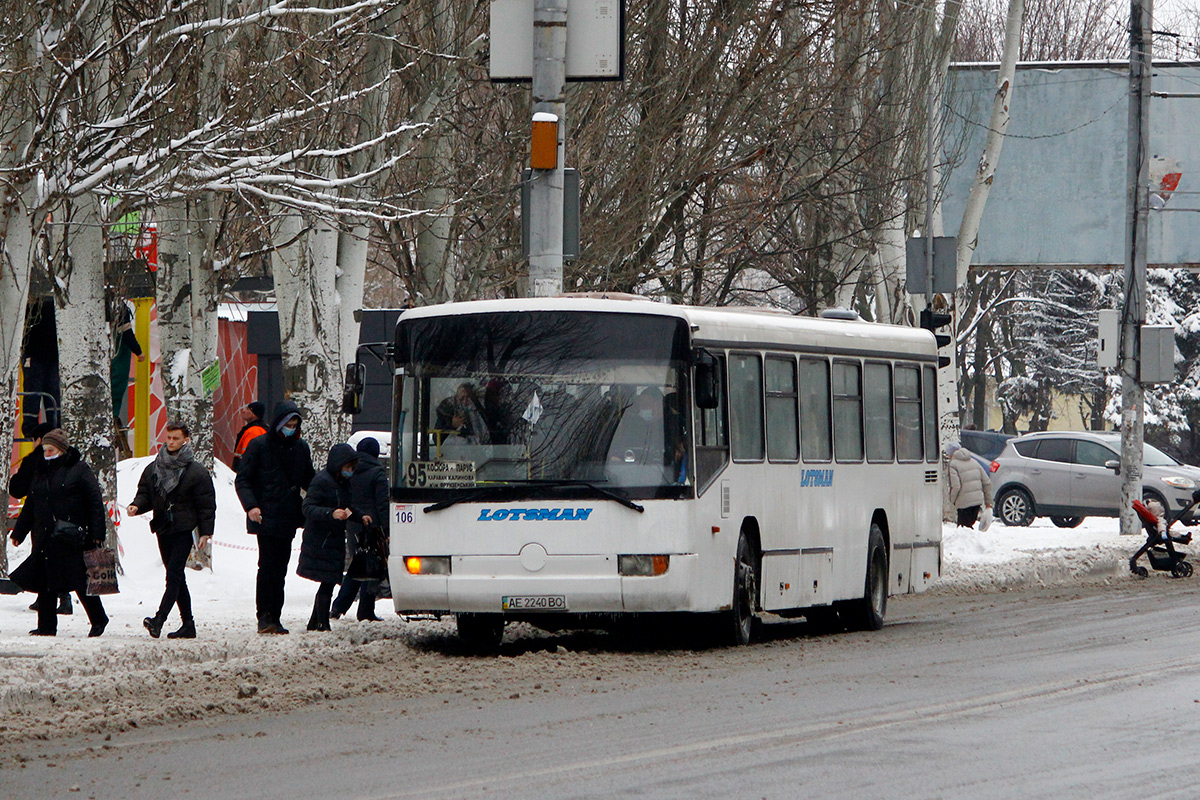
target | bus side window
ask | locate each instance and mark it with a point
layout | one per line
(746, 407)
(847, 411)
(877, 405)
(930, 413)
(782, 442)
(816, 440)
(908, 414)
(712, 441)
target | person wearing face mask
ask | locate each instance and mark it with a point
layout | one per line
(274, 471)
(179, 490)
(63, 490)
(326, 510)
(369, 494)
(639, 437)
(18, 487)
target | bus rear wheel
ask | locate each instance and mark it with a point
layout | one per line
(481, 632)
(740, 618)
(866, 614)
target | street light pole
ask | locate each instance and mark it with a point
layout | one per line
(549, 83)
(1133, 312)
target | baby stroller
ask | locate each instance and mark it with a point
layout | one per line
(1159, 547)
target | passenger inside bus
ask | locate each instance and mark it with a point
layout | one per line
(649, 433)
(462, 415)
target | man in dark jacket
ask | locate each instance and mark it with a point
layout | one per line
(180, 492)
(274, 470)
(64, 490)
(326, 510)
(18, 487)
(368, 494)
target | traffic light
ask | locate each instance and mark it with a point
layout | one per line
(931, 321)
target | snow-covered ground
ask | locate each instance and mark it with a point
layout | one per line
(125, 678)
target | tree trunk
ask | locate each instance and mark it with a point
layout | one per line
(304, 264)
(85, 343)
(968, 232)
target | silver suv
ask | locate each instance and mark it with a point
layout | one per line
(1068, 475)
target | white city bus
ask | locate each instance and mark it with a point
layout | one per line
(569, 461)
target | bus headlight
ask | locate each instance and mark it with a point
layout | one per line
(643, 565)
(427, 565)
(1180, 482)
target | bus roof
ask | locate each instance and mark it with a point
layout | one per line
(724, 326)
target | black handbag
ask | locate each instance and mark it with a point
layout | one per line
(366, 566)
(370, 559)
(66, 534)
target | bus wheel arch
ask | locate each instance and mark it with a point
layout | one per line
(867, 613)
(747, 567)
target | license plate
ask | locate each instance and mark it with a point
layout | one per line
(541, 602)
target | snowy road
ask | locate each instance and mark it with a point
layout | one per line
(1065, 692)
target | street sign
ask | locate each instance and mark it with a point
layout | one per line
(210, 378)
(595, 40)
(945, 278)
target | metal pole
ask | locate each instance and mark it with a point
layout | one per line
(549, 83)
(929, 98)
(1133, 313)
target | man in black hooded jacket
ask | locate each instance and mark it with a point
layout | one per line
(274, 470)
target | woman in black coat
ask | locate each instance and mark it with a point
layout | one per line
(63, 490)
(323, 548)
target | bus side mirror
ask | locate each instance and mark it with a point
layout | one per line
(352, 389)
(707, 376)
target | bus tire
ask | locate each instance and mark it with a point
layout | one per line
(481, 632)
(739, 622)
(867, 613)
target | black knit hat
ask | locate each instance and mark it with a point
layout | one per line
(257, 408)
(368, 445)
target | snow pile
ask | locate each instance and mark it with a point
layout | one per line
(1041, 555)
(69, 684)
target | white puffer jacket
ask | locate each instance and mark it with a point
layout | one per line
(969, 481)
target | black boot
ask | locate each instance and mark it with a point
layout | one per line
(186, 631)
(154, 625)
(64, 604)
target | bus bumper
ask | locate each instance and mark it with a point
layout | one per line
(586, 584)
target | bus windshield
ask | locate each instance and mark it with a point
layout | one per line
(524, 398)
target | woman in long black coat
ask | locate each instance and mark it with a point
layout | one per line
(63, 490)
(323, 548)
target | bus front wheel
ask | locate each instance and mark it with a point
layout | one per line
(481, 631)
(740, 620)
(866, 614)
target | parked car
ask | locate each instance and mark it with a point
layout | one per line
(1067, 475)
(987, 444)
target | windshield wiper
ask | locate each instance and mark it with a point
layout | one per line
(466, 498)
(600, 490)
(485, 491)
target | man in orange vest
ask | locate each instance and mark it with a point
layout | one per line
(252, 414)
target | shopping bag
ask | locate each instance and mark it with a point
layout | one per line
(985, 519)
(101, 563)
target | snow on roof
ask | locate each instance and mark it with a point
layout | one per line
(236, 312)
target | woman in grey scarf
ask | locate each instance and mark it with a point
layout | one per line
(179, 490)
